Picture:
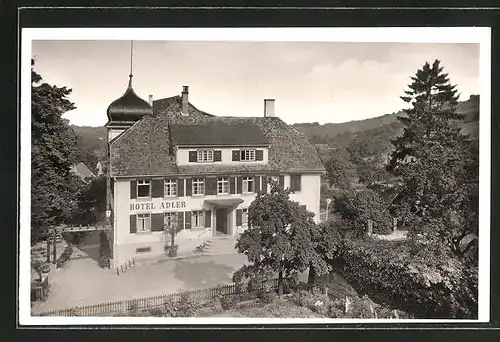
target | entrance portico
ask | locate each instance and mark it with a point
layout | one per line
(223, 209)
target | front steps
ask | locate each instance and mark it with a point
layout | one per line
(223, 245)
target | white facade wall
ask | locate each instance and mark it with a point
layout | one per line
(114, 132)
(182, 156)
(125, 243)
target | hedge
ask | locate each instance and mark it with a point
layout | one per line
(427, 287)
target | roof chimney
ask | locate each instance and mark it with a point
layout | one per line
(268, 108)
(185, 101)
(151, 100)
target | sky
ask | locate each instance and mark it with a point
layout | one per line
(310, 81)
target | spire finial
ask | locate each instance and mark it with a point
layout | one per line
(131, 59)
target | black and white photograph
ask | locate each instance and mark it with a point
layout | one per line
(232, 176)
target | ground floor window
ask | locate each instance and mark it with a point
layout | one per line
(244, 217)
(222, 185)
(170, 220)
(197, 219)
(143, 222)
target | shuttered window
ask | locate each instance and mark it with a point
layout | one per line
(217, 155)
(236, 155)
(259, 155)
(244, 218)
(170, 189)
(239, 214)
(208, 218)
(143, 223)
(295, 182)
(222, 185)
(157, 189)
(198, 186)
(247, 183)
(143, 189)
(198, 218)
(192, 156)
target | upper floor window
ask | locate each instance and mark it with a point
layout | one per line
(143, 188)
(247, 183)
(222, 185)
(205, 156)
(170, 187)
(143, 222)
(198, 186)
(247, 155)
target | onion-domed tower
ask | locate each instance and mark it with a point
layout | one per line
(125, 111)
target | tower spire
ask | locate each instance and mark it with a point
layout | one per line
(131, 60)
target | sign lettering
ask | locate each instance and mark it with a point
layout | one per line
(163, 205)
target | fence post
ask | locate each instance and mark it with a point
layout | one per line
(347, 304)
(394, 224)
(370, 227)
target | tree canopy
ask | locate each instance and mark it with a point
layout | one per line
(279, 238)
(53, 187)
(438, 165)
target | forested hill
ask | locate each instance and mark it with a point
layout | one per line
(91, 145)
(386, 125)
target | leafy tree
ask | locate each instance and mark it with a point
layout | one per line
(339, 169)
(279, 238)
(53, 187)
(438, 166)
(92, 202)
(357, 207)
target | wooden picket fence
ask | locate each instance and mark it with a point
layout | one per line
(138, 304)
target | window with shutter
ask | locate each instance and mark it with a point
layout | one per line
(239, 214)
(208, 218)
(281, 182)
(217, 156)
(180, 220)
(193, 156)
(133, 224)
(180, 187)
(133, 189)
(157, 221)
(259, 155)
(239, 187)
(236, 155)
(232, 185)
(157, 189)
(189, 187)
(295, 182)
(187, 220)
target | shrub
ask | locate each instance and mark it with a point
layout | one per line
(188, 305)
(266, 297)
(430, 286)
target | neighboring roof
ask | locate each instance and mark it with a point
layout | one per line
(218, 134)
(81, 170)
(128, 108)
(146, 149)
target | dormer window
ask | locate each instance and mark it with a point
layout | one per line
(247, 155)
(204, 156)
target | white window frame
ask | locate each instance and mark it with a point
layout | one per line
(205, 156)
(222, 183)
(244, 184)
(197, 219)
(244, 217)
(248, 155)
(198, 183)
(143, 223)
(144, 183)
(170, 217)
(170, 188)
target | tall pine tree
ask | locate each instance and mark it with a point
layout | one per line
(53, 187)
(438, 166)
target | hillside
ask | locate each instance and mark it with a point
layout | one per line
(92, 144)
(387, 123)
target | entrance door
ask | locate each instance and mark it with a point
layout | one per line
(221, 220)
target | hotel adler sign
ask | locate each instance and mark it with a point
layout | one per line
(154, 206)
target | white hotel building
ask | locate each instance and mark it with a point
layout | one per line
(170, 163)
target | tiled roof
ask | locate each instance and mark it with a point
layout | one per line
(82, 171)
(218, 134)
(146, 149)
